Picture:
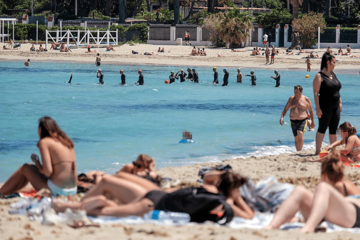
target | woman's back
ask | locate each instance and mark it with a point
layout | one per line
(59, 161)
(347, 188)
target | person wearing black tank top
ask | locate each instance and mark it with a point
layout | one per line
(326, 88)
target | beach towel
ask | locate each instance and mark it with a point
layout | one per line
(345, 160)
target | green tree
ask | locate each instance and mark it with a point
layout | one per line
(277, 16)
(264, 3)
(296, 5)
(230, 27)
(307, 27)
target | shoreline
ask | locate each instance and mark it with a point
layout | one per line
(179, 56)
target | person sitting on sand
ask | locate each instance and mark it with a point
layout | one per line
(41, 49)
(258, 51)
(253, 53)
(57, 169)
(64, 48)
(32, 49)
(313, 56)
(348, 49)
(298, 104)
(328, 50)
(27, 63)
(55, 46)
(161, 50)
(193, 52)
(139, 197)
(340, 52)
(351, 141)
(149, 53)
(109, 48)
(203, 53)
(332, 200)
(89, 50)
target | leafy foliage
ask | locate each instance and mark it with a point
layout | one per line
(98, 15)
(229, 27)
(277, 16)
(165, 16)
(307, 26)
(199, 17)
(264, 3)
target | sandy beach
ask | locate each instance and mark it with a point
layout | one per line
(180, 56)
(289, 167)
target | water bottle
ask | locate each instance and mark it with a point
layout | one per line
(168, 217)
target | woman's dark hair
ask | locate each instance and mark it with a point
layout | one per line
(49, 128)
(331, 169)
(228, 181)
(346, 127)
(326, 58)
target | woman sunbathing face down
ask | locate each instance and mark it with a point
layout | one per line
(138, 197)
(329, 202)
(142, 166)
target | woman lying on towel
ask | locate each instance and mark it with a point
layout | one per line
(57, 170)
(144, 167)
(139, 196)
(351, 153)
(334, 200)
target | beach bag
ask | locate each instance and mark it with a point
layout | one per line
(198, 203)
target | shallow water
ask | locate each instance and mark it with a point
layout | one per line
(111, 124)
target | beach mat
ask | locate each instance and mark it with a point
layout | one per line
(345, 160)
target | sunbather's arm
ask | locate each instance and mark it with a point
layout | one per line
(240, 208)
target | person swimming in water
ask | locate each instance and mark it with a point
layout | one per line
(277, 78)
(226, 77)
(216, 76)
(239, 76)
(181, 74)
(123, 80)
(172, 77)
(100, 76)
(186, 137)
(70, 78)
(190, 75)
(195, 76)
(253, 78)
(141, 78)
(27, 63)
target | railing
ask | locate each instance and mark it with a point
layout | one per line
(80, 37)
(348, 36)
(329, 36)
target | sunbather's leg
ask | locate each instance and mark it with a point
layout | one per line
(116, 188)
(299, 199)
(102, 206)
(26, 173)
(331, 205)
(146, 184)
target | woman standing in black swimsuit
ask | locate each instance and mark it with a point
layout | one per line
(327, 99)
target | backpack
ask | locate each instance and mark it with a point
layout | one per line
(198, 203)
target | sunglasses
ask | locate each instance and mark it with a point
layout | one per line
(136, 164)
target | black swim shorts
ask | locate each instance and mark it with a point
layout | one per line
(98, 64)
(298, 125)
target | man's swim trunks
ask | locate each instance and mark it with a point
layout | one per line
(298, 125)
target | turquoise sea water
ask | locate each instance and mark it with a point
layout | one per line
(111, 124)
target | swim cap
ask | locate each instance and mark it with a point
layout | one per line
(252, 72)
(189, 69)
(239, 69)
(193, 69)
(214, 68)
(224, 69)
(172, 72)
(140, 70)
(100, 70)
(182, 70)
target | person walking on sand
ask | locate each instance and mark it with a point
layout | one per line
(267, 54)
(253, 78)
(308, 64)
(27, 63)
(239, 76)
(187, 38)
(216, 76)
(265, 39)
(98, 60)
(273, 52)
(141, 78)
(326, 88)
(226, 77)
(123, 77)
(298, 104)
(277, 78)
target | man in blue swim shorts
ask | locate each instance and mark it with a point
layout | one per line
(299, 105)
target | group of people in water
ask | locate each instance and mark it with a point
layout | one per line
(135, 188)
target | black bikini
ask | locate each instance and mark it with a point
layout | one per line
(357, 209)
